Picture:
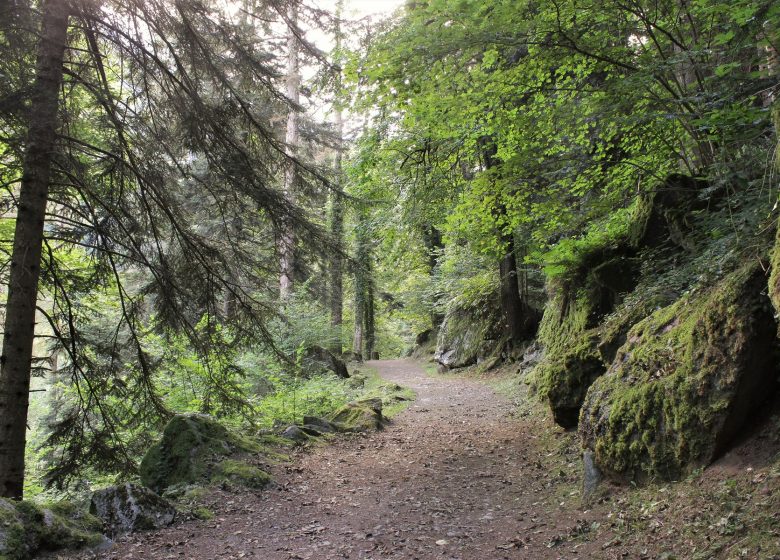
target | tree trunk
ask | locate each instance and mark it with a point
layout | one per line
(337, 261)
(512, 305)
(370, 317)
(19, 332)
(434, 246)
(337, 211)
(363, 290)
(360, 306)
(519, 322)
(287, 236)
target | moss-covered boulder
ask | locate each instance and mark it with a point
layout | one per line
(359, 416)
(685, 382)
(469, 333)
(570, 332)
(191, 446)
(424, 344)
(27, 528)
(127, 508)
(589, 311)
(774, 277)
(317, 359)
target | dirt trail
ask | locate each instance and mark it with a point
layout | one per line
(455, 476)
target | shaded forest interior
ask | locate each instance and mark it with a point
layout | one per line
(214, 213)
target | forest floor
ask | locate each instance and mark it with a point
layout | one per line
(466, 472)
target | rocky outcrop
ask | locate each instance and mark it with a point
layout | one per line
(469, 334)
(424, 344)
(127, 508)
(27, 528)
(586, 319)
(572, 327)
(295, 433)
(359, 416)
(683, 385)
(774, 278)
(317, 359)
(190, 451)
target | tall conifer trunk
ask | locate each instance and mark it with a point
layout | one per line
(287, 236)
(337, 208)
(337, 231)
(19, 332)
(363, 339)
(370, 318)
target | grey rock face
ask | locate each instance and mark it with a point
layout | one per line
(295, 433)
(128, 508)
(318, 358)
(591, 476)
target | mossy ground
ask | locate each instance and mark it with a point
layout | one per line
(198, 450)
(241, 473)
(395, 398)
(31, 527)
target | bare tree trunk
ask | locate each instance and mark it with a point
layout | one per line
(337, 231)
(518, 317)
(519, 324)
(434, 246)
(287, 236)
(360, 307)
(369, 318)
(362, 288)
(337, 204)
(19, 332)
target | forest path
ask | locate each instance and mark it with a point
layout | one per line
(455, 476)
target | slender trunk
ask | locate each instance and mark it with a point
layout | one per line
(19, 332)
(337, 209)
(360, 306)
(287, 236)
(229, 302)
(337, 232)
(434, 246)
(362, 288)
(369, 318)
(512, 305)
(513, 308)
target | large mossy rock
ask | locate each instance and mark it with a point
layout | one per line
(571, 329)
(127, 508)
(469, 334)
(317, 359)
(587, 317)
(359, 416)
(684, 383)
(774, 277)
(27, 528)
(192, 446)
(424, 344)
